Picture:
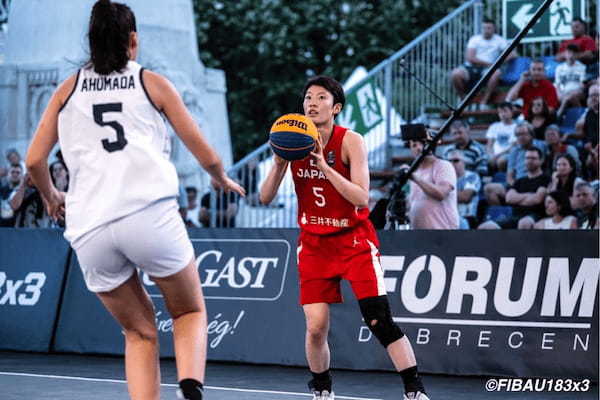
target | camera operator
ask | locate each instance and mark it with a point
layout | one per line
(433, 199)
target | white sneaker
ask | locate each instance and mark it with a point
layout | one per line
(415, 396)
(324, 395)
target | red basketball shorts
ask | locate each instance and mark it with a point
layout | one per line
(324, 260)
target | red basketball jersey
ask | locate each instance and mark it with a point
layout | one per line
(322, 210)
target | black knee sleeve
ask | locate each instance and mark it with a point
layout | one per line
(378, 317)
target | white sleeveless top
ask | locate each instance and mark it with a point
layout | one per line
(564, 224)
(116, 147)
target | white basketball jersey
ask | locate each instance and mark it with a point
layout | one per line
(116, 147)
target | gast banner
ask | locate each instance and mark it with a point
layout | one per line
(500, 303)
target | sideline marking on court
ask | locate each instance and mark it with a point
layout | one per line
(482, 322)
(80, 378)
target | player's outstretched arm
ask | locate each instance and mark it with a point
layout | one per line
(166, 98)
(270, 186)
(44, 139)
(356, 190)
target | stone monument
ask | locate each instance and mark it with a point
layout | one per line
(46, 41)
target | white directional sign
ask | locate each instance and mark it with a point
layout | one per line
(555, 23)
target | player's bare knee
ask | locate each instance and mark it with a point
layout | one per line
(378, 318)
(142, 334)
(317, 332)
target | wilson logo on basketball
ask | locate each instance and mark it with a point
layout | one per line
(292, 122)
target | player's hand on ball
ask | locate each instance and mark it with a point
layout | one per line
(228, 185)
(317, 154)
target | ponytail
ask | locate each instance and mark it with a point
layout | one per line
(109, 30)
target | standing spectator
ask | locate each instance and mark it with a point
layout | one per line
(7, 214)
(468, 184)
(432, 200)
(14, 157)
(192, 200)
(28, 206)
(564, 177)
(526, 196)
(59, 175)
(475, 156)
(532, 84)
(482, 51)
(501, 137)
(585, 43)
(555, 148)
(586, 128)
(226, 210)
(558, 211)
(540, 117)
(568, 80)
(585, 204)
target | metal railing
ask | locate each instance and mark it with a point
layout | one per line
(381, 101)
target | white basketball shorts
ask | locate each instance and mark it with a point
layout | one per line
(153, 239)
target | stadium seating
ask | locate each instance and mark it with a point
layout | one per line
(513, 70)
(567, 124)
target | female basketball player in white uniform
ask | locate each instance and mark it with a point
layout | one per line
(120, 209)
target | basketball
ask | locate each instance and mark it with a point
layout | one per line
(293, 136)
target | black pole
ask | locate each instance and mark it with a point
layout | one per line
(430, 147)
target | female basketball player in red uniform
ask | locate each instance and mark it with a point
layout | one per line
(337, 240)
(121, 208)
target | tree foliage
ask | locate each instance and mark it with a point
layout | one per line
(268, 48)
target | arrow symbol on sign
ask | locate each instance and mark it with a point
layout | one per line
(522, 16)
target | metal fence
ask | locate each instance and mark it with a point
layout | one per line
(382, 100)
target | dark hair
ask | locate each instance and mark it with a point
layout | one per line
(459, 123)
(51, 170)
(540, 153)
(563, 203)
(191, 189)
(545, 109)
(537, 61)
(489, 21)
(570, 183)
(573, 47)
(579, 19)
(506, 104)
(330, 84)
(108, 34)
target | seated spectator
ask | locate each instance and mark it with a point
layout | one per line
(559, 213)
(192, 201)
(592, 69)
(526, 196)
(585, 204)
(15, 176)
(474, 153)
(226, 210)
(540, 117)
(516, 168)
(248, 176)
(468, 184)
(482, 51)
(555, 148)
(564, 175)
(586, 128)
(592, 163)
(501, 137)
(568, 80)
(28, 206)
(584, 43)
(432, 200)
(532, 84)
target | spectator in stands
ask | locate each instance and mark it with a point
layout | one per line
(59, 175)
(540, 117)
(592, 164)
(482, 51)
(468, 184)
(248, 176)
(558, 211)
(568, 80)
(564, 176)
(15, 176)
(592, 69)
(585, 43)
(585, 203)
(475, 156)
(432, 198)
(501, 137)
(226, 210)
(586, 128)
(516, 169)
(192, 208)
(532, 84)
(526, 196)
(28, 206)
(555, 149)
